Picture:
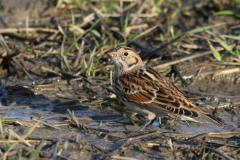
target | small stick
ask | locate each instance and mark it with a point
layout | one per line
(4, 44)
(176, 70)
(44, 123)
(109, 90)
(109, 155)
(163, 46)
(124, 158)
(55, 150)
(56, 115)
(184, 82)
(16, 30)
(141, 136)
(198, 73)
(24, 70)
(4, 22)
(74, 119)
(195, 35)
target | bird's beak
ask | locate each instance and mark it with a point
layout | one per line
(113, 54)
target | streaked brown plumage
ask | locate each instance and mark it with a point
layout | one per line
(147, 92)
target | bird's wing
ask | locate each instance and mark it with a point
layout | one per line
(158, 91)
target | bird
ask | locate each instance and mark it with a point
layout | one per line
(147, 92)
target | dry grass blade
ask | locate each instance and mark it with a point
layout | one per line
(226, 71)
(80, 53)
(188, 58)
(14, 145)
(19, 138)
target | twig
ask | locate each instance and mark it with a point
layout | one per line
(55, 150)
(184, 82)
(124, 158)
(24, 70)
(175, 68)
(4, 22)
(198, 73)
(214, 150)
(52, 117)
(109, 89)
(17, 30)
(74, 119)
(226, 71)
(118, 149)
(163, 46)
(44, 123)
(141, 136)
(70, 74)
(198, 36)
(10, 55)
(4, 44)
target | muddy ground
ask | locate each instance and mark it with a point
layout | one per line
(56, 95)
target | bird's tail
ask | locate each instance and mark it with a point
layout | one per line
(216, 120)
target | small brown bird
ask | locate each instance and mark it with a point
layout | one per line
(147, 92)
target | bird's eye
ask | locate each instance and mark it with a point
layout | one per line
(126, 54)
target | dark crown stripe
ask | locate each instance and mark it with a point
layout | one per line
(124, 47)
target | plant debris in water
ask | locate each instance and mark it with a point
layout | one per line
(56, 95)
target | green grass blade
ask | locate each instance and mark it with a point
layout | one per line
(126, 21)
(2, 134)
(197, 30)
(225, 12)
(225, 45)
(111, 76)
(34, 154)
(232, 37)
(87, 31)
(215, 53)
(91, 61)
(74, 34)
(228, 13)
(210, 157)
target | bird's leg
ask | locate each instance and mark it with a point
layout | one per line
(150, 124)
(177, 117)
(151, 119)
